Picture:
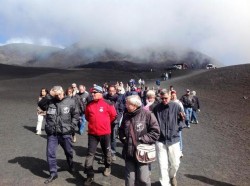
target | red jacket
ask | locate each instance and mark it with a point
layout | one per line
(100, 115)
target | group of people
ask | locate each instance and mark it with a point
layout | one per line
(152, 117)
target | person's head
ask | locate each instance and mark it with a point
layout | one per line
(111, 90)
(43, 92)
(193, 93)
(150, 96)
(120, 90)
(133, 102)
(74, 86)
(96, 92)
(69, 91)
(188, 92)
(173, 95)
(81, 88)
(58, 92)
(171, 88)
(165, 98)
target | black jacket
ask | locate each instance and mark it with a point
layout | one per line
(62, 115)
(145, 127)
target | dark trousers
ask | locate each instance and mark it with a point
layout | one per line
(52, 143)
(93, 142)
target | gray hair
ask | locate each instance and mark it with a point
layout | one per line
(57, 89)
(193, 93)
(150, 93)
(134, 100)
(163, 92)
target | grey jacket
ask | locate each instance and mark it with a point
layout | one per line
(170, 118)
(62, 115)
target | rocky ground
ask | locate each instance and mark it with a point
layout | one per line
(216, 151)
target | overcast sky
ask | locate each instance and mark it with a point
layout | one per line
(218, 28)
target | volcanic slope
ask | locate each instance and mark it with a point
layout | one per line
(216, 151)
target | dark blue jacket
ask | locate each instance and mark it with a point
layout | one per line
(170, 119)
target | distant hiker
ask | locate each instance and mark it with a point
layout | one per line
(169, 74)
(40, 112)
(174, 99)
(112, 96)
(158, 83)
(100, 114)
(143, 125)
(61, 119)
(75, 89)
(69, 93)
(82, 99)
(187, 102)
(169, 116)
(139, 82)
(195, 107)
(144, 95)
(171, 88)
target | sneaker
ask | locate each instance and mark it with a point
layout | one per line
(197, 122)
(38, 132)
(88, 181)
(74, 138)
(107, 172)
(188, 126)
(173, 181)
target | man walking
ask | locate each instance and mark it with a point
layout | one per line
(99, 113)
(169, 116)
(187, 102)
(61, 119)
(112, 97)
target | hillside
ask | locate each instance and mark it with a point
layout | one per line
(216, 151)
(79, 55)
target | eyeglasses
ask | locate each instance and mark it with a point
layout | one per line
(164, 98)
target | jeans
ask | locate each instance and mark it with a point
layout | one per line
(181, 144)
(82, 124)
(194, 116)
(114, 129)
(93, 142)
(188, 113)
(52, 143)
(169, 161)
(136, 173)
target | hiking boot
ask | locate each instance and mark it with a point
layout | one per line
(173, 181)
(107, 171)
(88, 181)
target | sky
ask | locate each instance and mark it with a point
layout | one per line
(217, 28)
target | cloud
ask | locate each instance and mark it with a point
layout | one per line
(218, 28)
(39, 41)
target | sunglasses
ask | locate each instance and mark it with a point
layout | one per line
(94, 92)
(164, 98)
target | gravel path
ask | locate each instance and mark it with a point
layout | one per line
(216, 151)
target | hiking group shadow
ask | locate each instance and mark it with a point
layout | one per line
(208, 180)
